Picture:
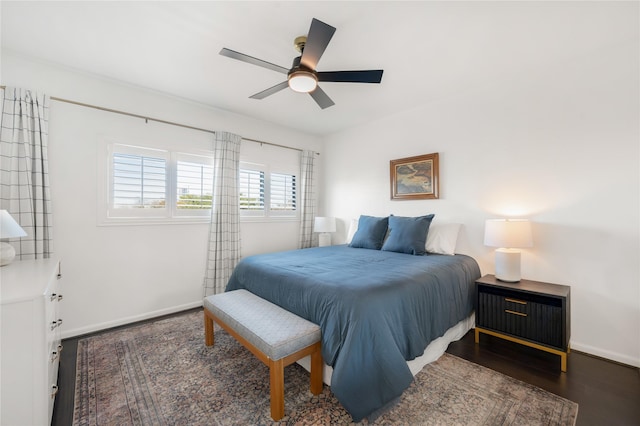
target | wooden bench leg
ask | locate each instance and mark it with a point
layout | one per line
(208, 329)
(276, 372)
(316, 372)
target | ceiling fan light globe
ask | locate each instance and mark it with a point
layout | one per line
(303, 81)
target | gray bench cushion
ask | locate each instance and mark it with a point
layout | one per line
(275, 331)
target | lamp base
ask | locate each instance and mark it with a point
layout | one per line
(324, 239)
(7, 253)
(508, 265)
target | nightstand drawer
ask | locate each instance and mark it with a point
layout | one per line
(526, 316)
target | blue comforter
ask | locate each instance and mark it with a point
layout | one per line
(376, 309)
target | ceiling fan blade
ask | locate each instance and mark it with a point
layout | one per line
(251, 60)
(321, 98)
(317, 40)
(271, 90)
(369, 76)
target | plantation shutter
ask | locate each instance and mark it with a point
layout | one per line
(139, 182)
(251, 187)
(283, 192)
(194, 185)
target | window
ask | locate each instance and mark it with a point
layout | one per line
(261, 197)
(194, 185)
(157, 185)
(251, 184)
(283, 192)
(138, 181)
(173, 183)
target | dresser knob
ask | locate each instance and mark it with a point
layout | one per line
(55, 324)
(56, 354)
(54, 391)
(59, 297)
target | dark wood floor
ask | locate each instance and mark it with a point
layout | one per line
(607, 393)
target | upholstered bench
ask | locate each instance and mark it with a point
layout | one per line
(274, 335)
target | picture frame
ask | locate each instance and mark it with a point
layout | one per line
(415, 178)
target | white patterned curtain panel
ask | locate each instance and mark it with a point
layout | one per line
(307, 200)
(224, 232)
(24, 169)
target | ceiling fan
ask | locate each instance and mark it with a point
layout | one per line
(303, 77)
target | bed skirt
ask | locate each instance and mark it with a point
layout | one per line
(434, 351)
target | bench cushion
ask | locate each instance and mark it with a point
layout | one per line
(275, 331)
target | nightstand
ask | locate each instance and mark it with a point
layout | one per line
(530, 313)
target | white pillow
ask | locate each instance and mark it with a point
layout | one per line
(442, 238)
(353, 227)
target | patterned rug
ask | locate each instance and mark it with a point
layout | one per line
(161, 373)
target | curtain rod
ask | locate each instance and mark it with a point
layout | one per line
(157, 120)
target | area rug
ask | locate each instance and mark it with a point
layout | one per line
(161, 373)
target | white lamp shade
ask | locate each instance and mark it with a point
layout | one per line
(9, 228)
(508, 233)
(324, 224)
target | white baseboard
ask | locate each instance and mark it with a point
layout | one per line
(128, 320)
(602, 353)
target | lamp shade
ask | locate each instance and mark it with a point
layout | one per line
(9, 228)
(508, 233)
(324, 224)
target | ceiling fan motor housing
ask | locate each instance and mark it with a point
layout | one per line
(299, 43)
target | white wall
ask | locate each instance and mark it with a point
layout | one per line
(558, 144)
(117, 274)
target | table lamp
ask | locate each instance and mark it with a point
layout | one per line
(508, 235)
(325, 226)
(9, 228)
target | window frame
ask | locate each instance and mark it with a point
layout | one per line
(106, 215)
(177, 157)
(170, 214)
(267, 213)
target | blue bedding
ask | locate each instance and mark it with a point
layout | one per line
(377, 310)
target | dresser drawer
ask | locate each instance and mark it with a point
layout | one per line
(532, 318)
(30, 330)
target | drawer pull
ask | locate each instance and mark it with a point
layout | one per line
(55, 324)
(54, 391)
(506, 299)
(59, 297)
(54, 297)
(515, 313)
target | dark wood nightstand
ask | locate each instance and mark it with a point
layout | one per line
(531, 313)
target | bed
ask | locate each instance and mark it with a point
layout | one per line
(377, 310)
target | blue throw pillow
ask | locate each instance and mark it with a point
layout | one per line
(371, 232)
(407, 234)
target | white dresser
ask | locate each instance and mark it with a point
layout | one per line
(29, 341)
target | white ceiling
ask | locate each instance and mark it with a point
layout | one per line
(428, 50)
